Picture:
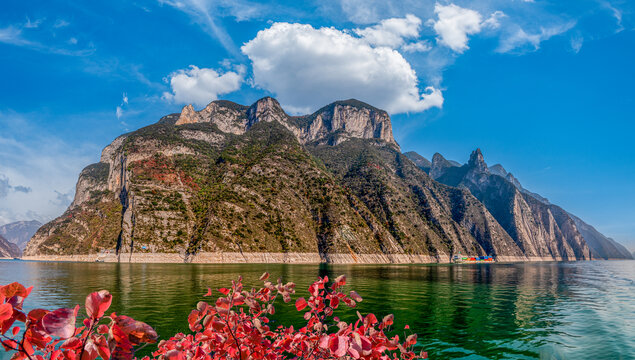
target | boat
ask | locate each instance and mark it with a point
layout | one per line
(459, 259)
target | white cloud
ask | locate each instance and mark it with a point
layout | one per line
(419, 46)
(201, 85)
(493, 21)
(454, 24)
(32, 24)
(576, 43)
(60, 23)
(307, 67)
(520, 41)
(391, 32)
(120, 109)
(13, 35)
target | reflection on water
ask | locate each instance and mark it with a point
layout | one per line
(480, 311)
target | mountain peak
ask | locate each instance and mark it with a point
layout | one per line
(266, 109)
(438, 166)
(419, 160)
(498, 169)
(477, 161)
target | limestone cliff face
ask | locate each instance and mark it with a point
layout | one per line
(540, 229)
(335, 122)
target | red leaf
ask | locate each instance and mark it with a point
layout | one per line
(90, 351)
(355, 296)
(15, 289)
(174, 355)
(102, 347)
(264, 276)
(209, 292)
(340, 280)
(97, 303)
(6, 311)
(36, 315)
(138, 332)
(338, 345)
(71, 343)
(335, 301)
(60, 322)
(224, 291)
(16, 330)
(388, 319)
(300, 304)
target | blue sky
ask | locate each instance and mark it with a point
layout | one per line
(543, 87)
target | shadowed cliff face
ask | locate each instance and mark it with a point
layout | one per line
(252, 179)
(9, 249)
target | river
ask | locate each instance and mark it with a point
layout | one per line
(577, 310)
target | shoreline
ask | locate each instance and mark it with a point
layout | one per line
(273, 258)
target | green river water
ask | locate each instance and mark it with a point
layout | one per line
(579, 310)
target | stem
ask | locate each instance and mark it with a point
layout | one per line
(90, 329)
(23, 348)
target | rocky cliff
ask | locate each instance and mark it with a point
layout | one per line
(20, 232)
(602, 247)
(234, 179)
(539, 227)
(8, 249)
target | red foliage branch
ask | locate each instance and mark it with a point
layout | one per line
(235, 326)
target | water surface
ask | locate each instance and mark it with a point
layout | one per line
(580, 310)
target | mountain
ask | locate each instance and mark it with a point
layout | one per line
(602, 247)
(251, 183)
(20, 232)
(540, 229)
(419, 160)
(8, 249)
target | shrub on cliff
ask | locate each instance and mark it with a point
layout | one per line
(235, 326)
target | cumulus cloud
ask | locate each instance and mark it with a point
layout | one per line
(307, 67)
(454, 24)
(201, 85)
(391, 32)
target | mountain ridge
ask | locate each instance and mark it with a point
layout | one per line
(477, 176)
(236, 179)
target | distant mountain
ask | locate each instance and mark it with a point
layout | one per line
(419, 160)
(495, 192)
(331, 186)
(9, 249)
(602, 247)
(540, 229)
(20, 232)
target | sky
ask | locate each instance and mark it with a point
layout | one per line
(544, 88)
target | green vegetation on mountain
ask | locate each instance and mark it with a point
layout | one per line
(232, 178)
